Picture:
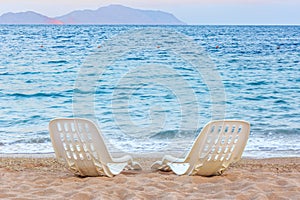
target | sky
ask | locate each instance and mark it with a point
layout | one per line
(189, 11)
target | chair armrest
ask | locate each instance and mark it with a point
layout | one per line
(169, 158)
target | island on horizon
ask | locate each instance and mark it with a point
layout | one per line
(112, 14)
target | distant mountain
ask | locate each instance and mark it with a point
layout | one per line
(28, 17)
(118, 14)
(112, 14)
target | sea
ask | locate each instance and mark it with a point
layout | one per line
(150, 89)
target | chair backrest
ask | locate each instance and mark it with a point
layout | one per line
(220, 143)
(76, 139)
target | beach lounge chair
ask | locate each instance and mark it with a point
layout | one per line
(219, 144)
(79, 144)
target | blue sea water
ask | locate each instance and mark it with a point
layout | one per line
(259, 67)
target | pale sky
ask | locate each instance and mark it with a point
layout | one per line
(189, 11)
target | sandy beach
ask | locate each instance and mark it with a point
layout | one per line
(44, 178)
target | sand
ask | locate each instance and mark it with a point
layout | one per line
(44, 178)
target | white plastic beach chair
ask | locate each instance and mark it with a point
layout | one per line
(78, 143)
(219, 144)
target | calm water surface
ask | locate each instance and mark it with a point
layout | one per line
(259, 67)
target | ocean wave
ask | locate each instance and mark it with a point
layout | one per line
(30, 73)
(63, 37)
(36, 95)
(282, 132)
(135, 58)
(58, 62)
(6, 74)
(37, 140)
(258, 83)
(172, 134)
(19, 73)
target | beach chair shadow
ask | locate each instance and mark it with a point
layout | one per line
(219, 144)
(78, 144)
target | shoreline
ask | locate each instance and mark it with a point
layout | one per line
(136, 155)
(45, 178)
